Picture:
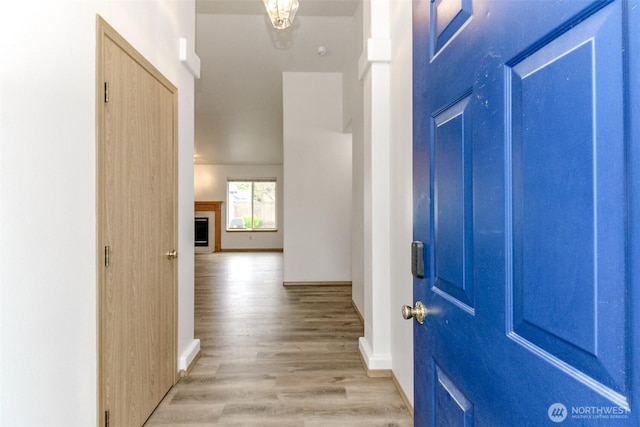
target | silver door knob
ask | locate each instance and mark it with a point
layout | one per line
(419, 312)
(172, 254)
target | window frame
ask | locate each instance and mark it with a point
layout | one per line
(252, 181)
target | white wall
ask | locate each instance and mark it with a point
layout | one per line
(47, 196)
(354, 102)
(210, 182)
(374, 71)
(317, 172)
(385, 72)
(401, 192)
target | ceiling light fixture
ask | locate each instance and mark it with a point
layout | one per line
(281, 12)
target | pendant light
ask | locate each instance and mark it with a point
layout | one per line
(281, 12)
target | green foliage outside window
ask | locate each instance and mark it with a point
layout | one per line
(257, 222)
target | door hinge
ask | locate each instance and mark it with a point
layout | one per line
(107, 256)
(106, 92)
(106, 418)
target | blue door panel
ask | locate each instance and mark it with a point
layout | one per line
(452, 199)
(448, 17)
(452, 407)
(527, 199)
(568, 196)
(421, 206)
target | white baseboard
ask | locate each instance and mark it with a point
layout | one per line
(188, 356)
(333, 283)
(373, 362)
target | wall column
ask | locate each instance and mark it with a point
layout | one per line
(374, 66)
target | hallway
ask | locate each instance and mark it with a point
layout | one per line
(275, 356)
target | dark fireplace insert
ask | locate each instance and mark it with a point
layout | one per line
(202, 232)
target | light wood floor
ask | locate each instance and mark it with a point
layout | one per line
(275, 356)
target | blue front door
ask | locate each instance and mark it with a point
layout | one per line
(527, 200)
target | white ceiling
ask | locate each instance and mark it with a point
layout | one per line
(238, 98)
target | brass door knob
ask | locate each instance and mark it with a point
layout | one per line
(172, 254)
(419, 312)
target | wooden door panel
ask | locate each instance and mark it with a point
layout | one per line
(137, 197)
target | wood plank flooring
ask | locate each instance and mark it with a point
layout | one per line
(275, 356)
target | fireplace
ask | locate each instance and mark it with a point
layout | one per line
(202, 232)
(211, 210)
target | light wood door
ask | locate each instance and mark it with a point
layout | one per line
(137, 226)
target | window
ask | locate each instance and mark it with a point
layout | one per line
(251, 204)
